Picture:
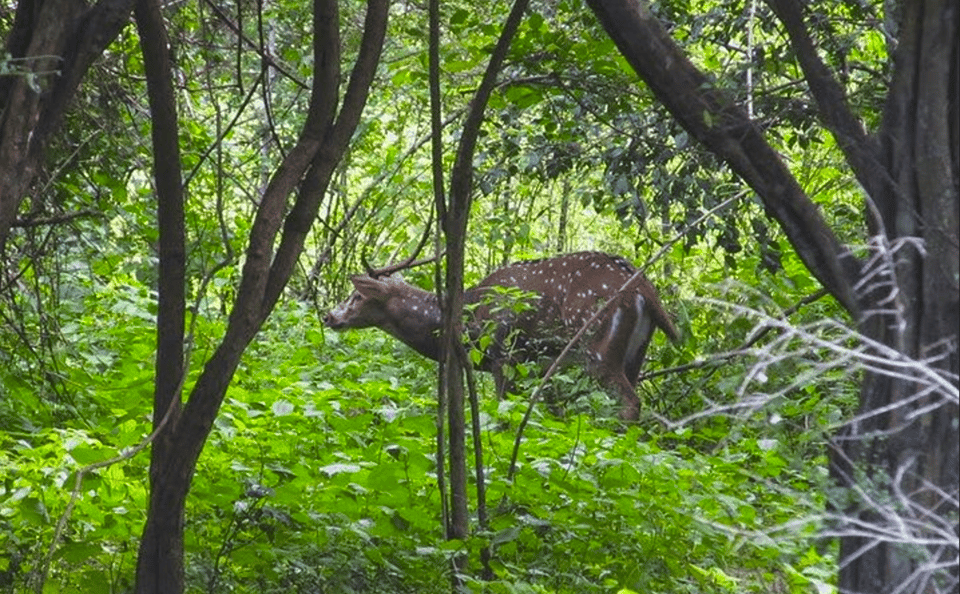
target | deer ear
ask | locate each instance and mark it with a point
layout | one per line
(370, 288)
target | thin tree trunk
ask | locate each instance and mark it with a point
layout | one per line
(165, 545)
(561, 246)
(457, 215)
(310, 165)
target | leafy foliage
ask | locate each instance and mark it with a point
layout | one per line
(320, 475)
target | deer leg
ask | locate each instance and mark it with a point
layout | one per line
(633, 364)
(613, 379)
(636, 350)
(629, 401)
(626, 333)
(503, 385)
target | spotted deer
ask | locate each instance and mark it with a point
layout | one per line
(565, 292)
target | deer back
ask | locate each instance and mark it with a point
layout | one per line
(573, 287)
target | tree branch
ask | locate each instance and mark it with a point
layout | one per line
(727, 131)
(337, 136)
(56, 219)
(265, 273)
(265, 56)
(247, 313)
(860, 150)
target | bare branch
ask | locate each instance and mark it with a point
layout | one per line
(55, 220)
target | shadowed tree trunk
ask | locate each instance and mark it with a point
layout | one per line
(308, 167)
(54, 43)
(905, 442)
(165, 549)
(903, 295)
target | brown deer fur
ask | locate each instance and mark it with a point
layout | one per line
(565, 292)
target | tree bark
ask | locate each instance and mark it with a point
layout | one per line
(310, 165)
(899, 457)
(48, 36)
(906, 437)
(165, 547)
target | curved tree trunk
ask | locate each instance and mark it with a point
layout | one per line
(898, 459)
(309, 165)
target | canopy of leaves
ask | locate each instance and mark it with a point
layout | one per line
(320, 474)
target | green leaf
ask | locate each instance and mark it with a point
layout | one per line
(339, 468)
(282, 408)
(506, 535)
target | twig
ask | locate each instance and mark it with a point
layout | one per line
(56, 219)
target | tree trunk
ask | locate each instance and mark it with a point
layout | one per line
(309, 165)
(457, 215)
(906, 439)
(173, 461)
(48, 36)
(165, 507)
(160, 568)
(898, 459)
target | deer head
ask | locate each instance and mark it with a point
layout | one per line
(404, 311)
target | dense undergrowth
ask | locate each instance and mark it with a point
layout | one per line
(320, 476)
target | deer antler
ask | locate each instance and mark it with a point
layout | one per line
(408, 263)
(366, 265)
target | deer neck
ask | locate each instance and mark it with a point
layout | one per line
(415, 320)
